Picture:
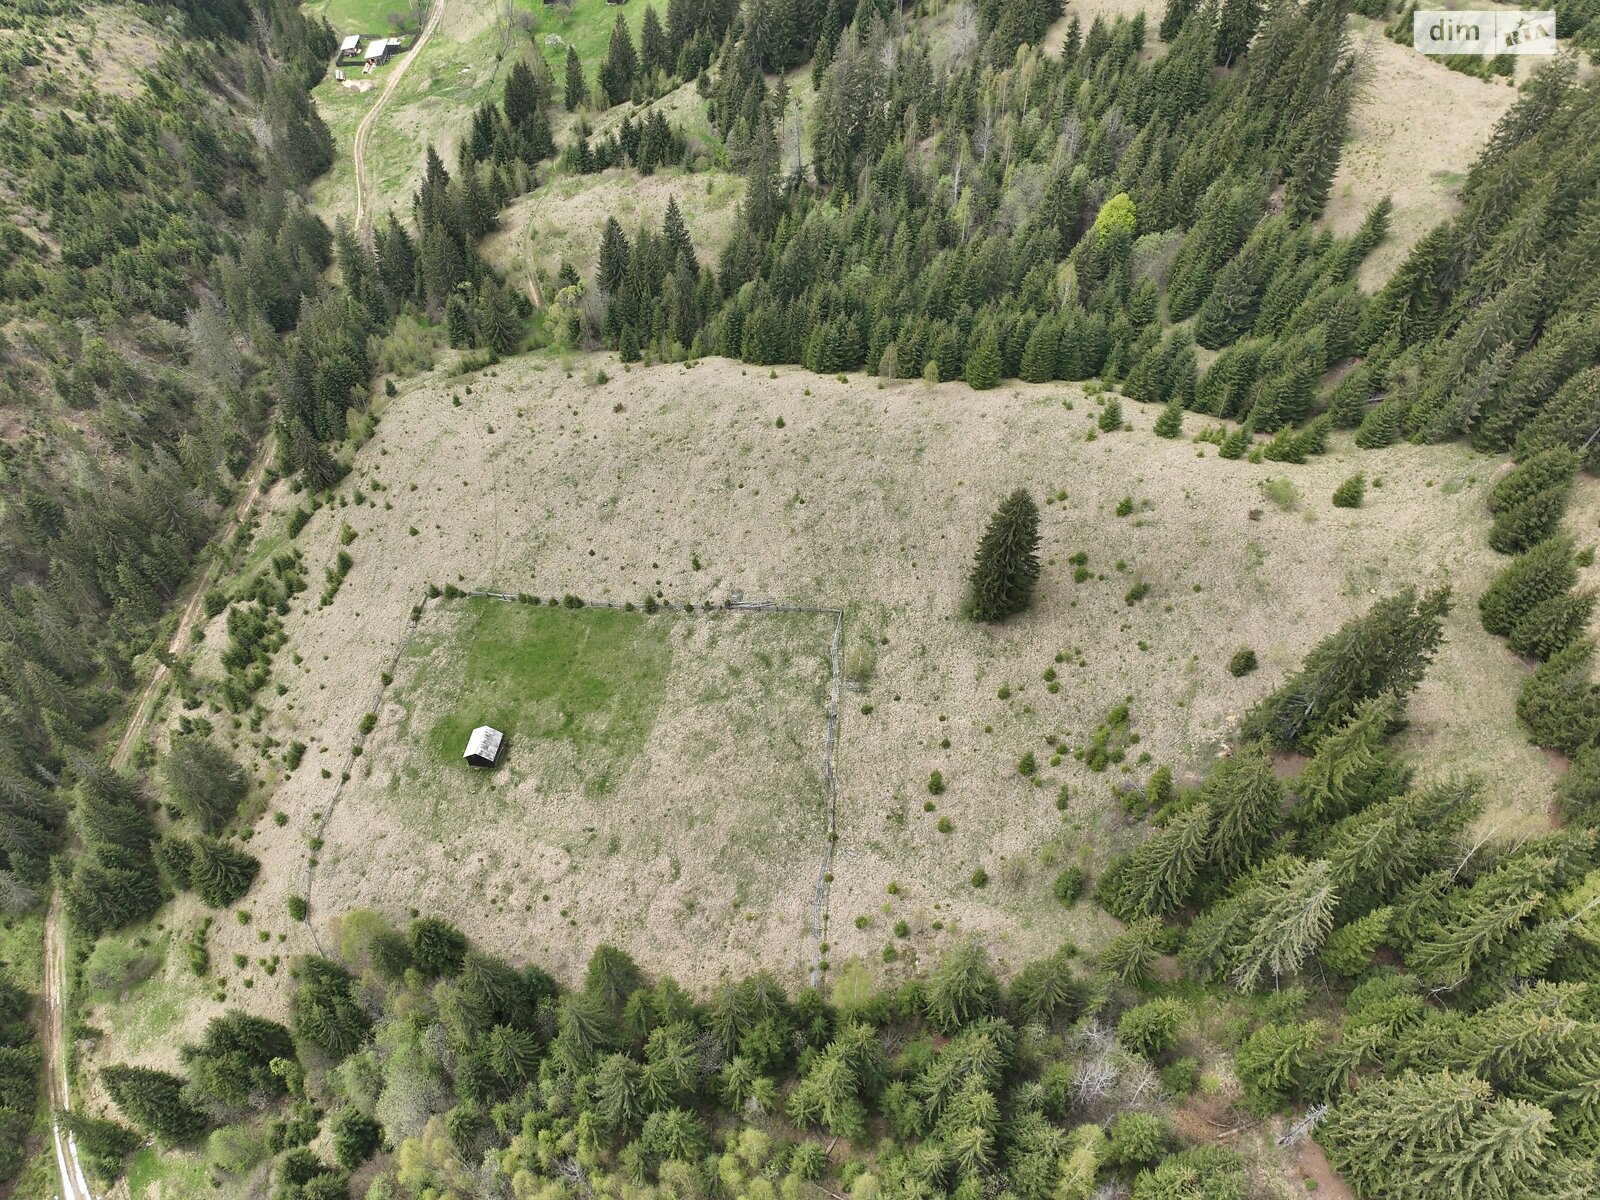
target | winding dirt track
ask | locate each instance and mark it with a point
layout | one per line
(74, 1183)
(358, 148)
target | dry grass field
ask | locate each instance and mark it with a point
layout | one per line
(683, 481)
(661, 787)
(1417, 128)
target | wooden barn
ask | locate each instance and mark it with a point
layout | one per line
(379, 51)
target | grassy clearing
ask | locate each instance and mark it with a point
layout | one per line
(367, 17)
(682, 481)
(1397, 146)
(562, 221)
(583, 24)
(647, 756)
(169, 1176)
(589, 678)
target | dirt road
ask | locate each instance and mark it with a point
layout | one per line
(74, 1183)
(358, 148)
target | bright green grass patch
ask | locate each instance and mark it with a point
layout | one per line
(586, 25)
(587, 677)
(369, 18)
(177, 1174)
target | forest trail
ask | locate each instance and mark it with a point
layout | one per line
(74, 1183)
(358, 148)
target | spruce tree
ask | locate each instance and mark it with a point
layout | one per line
(1170, 423)
(1129, 957)
(1530, 521)
(962, 988)
(1556, 467)
(621, 65)
(1246, 803)
(575, 91)
(983, 362)
(1542, 574)
(155, 1101)
(1295, 917)
(1349, 948)
(521, 95)
(652, 44)
(1350, 493)
(204, 780)
(1560, 704)
(1006, 566)
(1158, 876)
(1386, 650)
(1552, 625)
(221, 873)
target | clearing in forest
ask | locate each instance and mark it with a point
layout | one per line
(1160, 560)
(661, 783)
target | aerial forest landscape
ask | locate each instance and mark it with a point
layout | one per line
(799, 600)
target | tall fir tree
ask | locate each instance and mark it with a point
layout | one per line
(1006, 567)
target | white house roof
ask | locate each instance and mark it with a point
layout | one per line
(377, 47)
(484, 743)
(348, 46)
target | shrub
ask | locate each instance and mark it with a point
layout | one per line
(1111, 415)
(1242, 662)
(1282, 493)
(114, 966)
(1349, 494)
(935, 783)
(1137, 1139)
(356, 1137)
(1069, 886)
(1026, 765)
(299, 909)
(1180, 1077)
(1151, 1029)
(980, 878)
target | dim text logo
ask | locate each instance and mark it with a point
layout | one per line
(1487, 32)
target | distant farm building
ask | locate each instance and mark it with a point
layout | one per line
(379, 50)
(348, 47)
(483, 747)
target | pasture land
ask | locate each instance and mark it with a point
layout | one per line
(698, 483)
(661, 784)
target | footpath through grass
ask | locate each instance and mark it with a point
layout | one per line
(591, 677)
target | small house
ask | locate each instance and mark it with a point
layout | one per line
(483, 747)
(379, 50)
(348, 47)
